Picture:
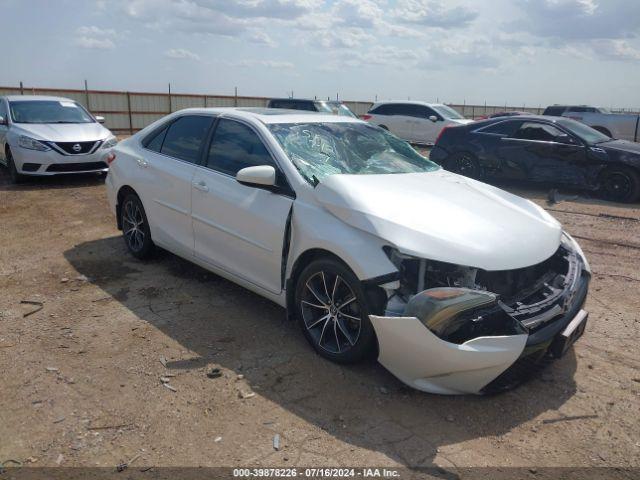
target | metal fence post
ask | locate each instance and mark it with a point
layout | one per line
(129, 110)
(86, 93)
(169, 97)
(21, 88)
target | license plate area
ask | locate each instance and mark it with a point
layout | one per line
(569, 335)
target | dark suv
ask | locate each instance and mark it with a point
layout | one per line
(324, 106)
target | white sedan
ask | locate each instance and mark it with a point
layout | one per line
(50, 135)
(372, 248)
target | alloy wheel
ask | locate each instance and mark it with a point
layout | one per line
(331, 312)
(618, 185)
(133, 226)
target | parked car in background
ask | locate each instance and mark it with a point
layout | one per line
(417, 122)
(371, 247)
(622, 126)
(50, 135)
(324, 106)
(507, 114)
(548, 150)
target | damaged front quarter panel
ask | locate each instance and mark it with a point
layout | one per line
(452, 329)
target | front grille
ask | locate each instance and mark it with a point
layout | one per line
(76, 167)
(75, 148)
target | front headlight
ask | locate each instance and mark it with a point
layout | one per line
(457, 315)
(110, 142)
(570, 244)
(32, 144)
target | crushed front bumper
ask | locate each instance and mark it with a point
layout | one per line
(485, 364)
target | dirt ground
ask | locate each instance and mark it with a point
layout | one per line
(81, 378)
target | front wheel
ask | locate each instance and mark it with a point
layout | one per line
(333, 312)
(464, 163)
(620, 184)
(13, 171)
(135, 227)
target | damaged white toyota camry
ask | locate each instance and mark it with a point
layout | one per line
(457, 286)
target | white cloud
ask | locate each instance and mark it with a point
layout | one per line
(433, 13)
(263, 63)
(181, 54)
(262, 38)
(616, 50)
(96, 31)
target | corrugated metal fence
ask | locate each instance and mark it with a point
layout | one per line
(128, 112)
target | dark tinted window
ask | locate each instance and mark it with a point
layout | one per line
(555, 111)
(538, 131)
(501, 128)
(234, 147)
(185, 136)
(293, 105)
(154, 141)
(582, 109)
(388, 109)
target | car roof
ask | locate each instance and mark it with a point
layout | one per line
(516, 118)
(293, 100)
(407, 102)
(37, 98)
(273, 115)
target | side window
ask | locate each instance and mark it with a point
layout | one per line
(404, 109)
(555, 111)
(154, 141)
(3, 109)
(538, 131)
(184, 137)
(381, 110)
(424, 112)
(279, 104)
(234, 147)
(501, 128)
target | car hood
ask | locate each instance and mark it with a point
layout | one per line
(443, 216)
(621, 146)
(63, 132)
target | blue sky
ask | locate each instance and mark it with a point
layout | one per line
(531, 52)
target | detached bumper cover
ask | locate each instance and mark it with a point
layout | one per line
(488, 364)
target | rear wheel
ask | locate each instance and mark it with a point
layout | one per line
(11, 166)
(464, 163)
(135, 227)
(333, 311)
(620, 184)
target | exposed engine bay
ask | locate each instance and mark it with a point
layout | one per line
(531, 296)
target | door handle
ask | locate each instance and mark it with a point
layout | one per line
(142, 163)
(200, 186)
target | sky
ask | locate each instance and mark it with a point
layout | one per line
(515, 52)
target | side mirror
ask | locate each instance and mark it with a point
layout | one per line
(433, 118)
(99, 119)
(3, 121)
(566, 140)
(260, 176)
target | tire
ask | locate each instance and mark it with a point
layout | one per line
(620, 184)
(135, 227)
(464, 163)
(341, 311)
(13, 171)
(384, 127)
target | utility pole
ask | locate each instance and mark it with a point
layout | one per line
(86, 93)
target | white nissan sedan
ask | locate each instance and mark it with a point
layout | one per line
(456, 286)
(50, 135)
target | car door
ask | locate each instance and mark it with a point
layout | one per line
(541, 152)
(425, 130)
(4, 127)
(400, 120)
(239, 228)
(166, 173)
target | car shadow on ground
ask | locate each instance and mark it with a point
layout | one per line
(75, 180)
(362, 405)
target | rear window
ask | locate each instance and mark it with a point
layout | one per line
(554, 111)
(501, 128)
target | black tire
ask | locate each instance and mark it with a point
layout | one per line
(620, 184)
(464, 163)
(135, 227)
(11, 166)
(341, 311)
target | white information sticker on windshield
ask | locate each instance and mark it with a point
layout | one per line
(68, 104)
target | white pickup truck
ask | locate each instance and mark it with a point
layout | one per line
(622, 126)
